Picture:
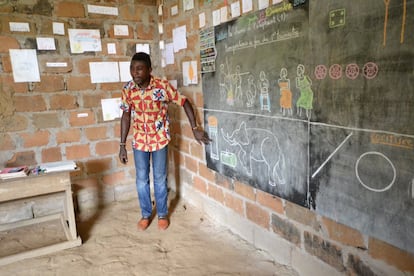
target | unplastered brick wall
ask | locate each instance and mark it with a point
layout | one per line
(312, 244)
(60, 117)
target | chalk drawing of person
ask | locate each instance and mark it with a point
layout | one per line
(222, 82)
(285, 93)
(251, 91)
(237, 80)
(304, 83)
(264, 91)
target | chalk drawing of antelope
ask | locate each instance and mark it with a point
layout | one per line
(259, 145)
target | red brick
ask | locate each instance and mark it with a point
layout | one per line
(344, 234)
(394, 256)
(270, 201)
(30, 103)
(69, 9)
(65, 101)
(80, 84)
(39, 138)
(183, 144)
(200, 184)
(131, 13)
(111, 86)
(244, 190)
(146, 32)
(81, 65)
(197, 150)
(93, 99)
(7, 66)
(234, 203)
(302, 215)
(216, 193)
(68, 135)
(6, 142)
(77, 118)
(22, 158)
(98, 165)
(8, 42)
(46, 120)
(107, 148)
(50, 84)
(286, 229)
(77, 152)
(223, 181)
(206, 172)
(114, 178)
(191, 164)
(9, 85)
(257, 215)
(96, 133)
(51, 155)
(13, 123)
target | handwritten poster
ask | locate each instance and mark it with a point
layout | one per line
(110, 109)
(24, 65)
(102, 72)
(188, 5)
(190, 72)
(179, 38)
(45, 43)
(124, 71)
(84, 40)
(142, 48)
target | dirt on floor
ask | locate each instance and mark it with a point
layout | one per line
(112, 245)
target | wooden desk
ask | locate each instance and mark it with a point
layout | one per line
(31, 186)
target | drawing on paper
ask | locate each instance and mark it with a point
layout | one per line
(259, 145)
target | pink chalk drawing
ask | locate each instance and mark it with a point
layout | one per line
(320, 72)
(370, 70)
(352, 71)
(335, 71)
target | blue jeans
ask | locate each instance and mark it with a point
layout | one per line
(159, 169)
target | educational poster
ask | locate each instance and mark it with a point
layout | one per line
(102, 72)
(84, 40)
(24, 65)
(190, 74)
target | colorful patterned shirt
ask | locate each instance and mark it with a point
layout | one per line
(149, 108)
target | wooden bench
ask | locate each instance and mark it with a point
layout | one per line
(32, 186)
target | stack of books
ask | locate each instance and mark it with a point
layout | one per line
(13, 172)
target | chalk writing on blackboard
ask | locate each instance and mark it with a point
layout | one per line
(392, 140)
(357, 169)
(260, 145)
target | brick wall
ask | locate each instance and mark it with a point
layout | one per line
(40, 123)
(294, 235)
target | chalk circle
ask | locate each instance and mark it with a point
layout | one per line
(387, 159)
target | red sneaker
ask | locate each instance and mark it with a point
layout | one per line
(163, 223)
(143, 224)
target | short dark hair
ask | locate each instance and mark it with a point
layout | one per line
(144, 57)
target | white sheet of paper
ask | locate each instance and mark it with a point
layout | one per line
(216, 17)
(45, 43)
(110, 109)
(169, 53)
(84, 40)
(161, 44)
(235, 9)
(160, 28)
(143, 48)
(179, 38)
(56, 64)
(124, 71)
(247, 5)
(160, 7)
(24, 65)
(263, 4)
(111, 47)
(102, 10)
(58, 28)
(173, 83)
(202, 20)
(277, 1)
(188, 4)
(174, 10)
(102, 72)
(223, 14)
(19, 27)
(190, 72)
(163, 61)
(121, 30)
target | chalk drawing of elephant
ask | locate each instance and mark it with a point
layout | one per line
(259, 145)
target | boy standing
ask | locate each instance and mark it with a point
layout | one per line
(145, 100)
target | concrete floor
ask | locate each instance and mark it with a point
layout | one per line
(192, 245)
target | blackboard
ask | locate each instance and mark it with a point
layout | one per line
(314, 104)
